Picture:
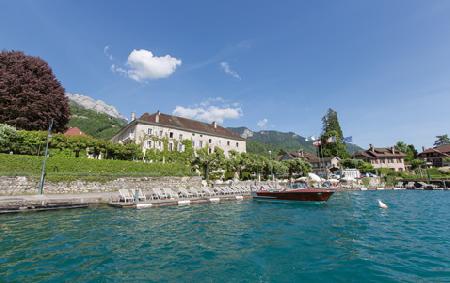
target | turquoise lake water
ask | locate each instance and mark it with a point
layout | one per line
(348, 239)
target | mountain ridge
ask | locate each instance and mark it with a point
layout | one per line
(261, 142)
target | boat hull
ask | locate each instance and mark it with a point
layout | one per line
(295, 195)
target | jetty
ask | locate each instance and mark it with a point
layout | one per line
(38, 202)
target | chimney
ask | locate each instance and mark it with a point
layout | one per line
(423, 148)
(393, 150)
(371, 148)
(133, 116)
(214, 124)
(157, 117)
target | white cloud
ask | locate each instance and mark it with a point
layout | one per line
(227, 69)
(263, 123)
(142, 65)
(106, 52)
(207, 112)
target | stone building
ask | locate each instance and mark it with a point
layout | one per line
(382, 157)
(151, 129)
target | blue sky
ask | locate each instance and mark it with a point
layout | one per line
(383, 65)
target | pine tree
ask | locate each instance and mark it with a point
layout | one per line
(441, 140)
(332, 139)
(30, 95)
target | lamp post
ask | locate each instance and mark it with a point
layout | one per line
(44, 162)
(271, 167)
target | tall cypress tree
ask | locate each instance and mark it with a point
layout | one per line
(331, 130)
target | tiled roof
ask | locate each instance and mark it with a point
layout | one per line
(380, 152)
(301, 154)
(189, 125)
(443, 149)
(74, 132)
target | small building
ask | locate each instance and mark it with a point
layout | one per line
(73, 132)
(436, 156)
(320, 166)
(381, 157)
(351, 173)
(151, 129)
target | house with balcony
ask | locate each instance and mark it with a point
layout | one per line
(437, 156)
(381, 157)
(150, 130)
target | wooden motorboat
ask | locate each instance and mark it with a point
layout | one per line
(298, 191)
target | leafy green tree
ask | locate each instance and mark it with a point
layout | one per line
(280, 168)
(297, 167)
(359, 164)
(8, 138)
(441, 140)
(208, 162)
(408, 149)
(417, 163)
(332, 139)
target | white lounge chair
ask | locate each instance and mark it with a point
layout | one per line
(160, 194)
(125, 195)
(171, 194)
(140, 195)
(208, 192)
(185, 193)
(197, 193)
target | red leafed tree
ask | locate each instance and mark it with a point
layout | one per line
(30, 95)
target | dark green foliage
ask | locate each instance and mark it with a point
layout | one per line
(30, 95)
(97, 125)
(68, 168)
(361, 165)
(332, 137)
(409, 150)
(441, 140)
(297, 167)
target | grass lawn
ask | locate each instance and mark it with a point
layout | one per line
(69, 168)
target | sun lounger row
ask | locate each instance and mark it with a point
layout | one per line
(126, 195)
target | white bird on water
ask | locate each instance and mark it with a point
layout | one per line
(382, 204)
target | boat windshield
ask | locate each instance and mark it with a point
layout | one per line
(298, 185)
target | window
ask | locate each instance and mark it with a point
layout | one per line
(193, 143)
(201, 144)
(201, 135)
(171, 135)
(180, 147)
(193, 134)
(210, 141)
(180, 137)
(209, 150)
(237, 144)
(170, 146)
(149, 131)
(228, 143)
(149, 144)
(160, 133)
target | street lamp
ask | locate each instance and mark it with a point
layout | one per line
(271, 167)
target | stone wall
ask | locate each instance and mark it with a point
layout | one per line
(25, 185)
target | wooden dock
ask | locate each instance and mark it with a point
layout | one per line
(181, 201)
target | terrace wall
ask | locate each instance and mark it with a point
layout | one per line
(20, 185)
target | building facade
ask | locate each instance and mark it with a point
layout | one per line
(437, 156)
(383, 158)
(151, 129)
